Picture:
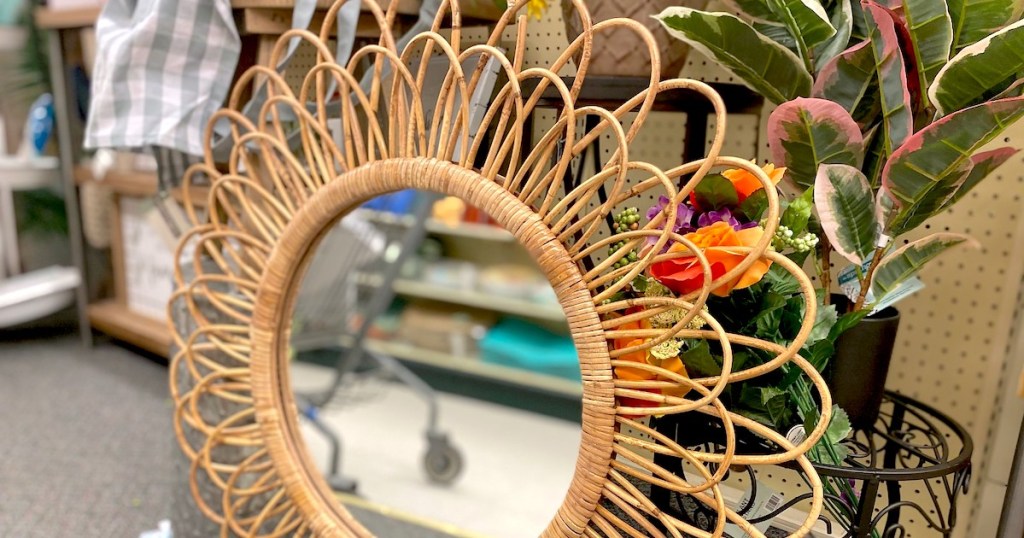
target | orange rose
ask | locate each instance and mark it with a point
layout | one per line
(747, 183)
(673, 364)
(718, 241)
(632, 374)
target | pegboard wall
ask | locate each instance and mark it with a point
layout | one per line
(955, 339)
(954, 343)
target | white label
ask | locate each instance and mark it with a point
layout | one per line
(796, 435)
(766, 502)
(850, 284)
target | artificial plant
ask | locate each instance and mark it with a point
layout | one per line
(885, 110)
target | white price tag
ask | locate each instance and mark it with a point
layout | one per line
(849, 282)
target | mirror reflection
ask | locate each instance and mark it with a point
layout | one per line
(438, 386)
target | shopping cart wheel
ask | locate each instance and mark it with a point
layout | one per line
(443, 462)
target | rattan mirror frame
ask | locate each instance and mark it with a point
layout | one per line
(267, 209)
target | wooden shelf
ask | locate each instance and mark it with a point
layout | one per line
(57, 19)
(476, 299)
(128, 183)
(118, 321)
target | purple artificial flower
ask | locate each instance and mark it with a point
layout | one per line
(722, 215)
(683, 224)
(684, 215)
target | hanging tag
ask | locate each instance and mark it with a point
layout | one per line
(850, 284)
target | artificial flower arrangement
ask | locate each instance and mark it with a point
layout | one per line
(723, 218)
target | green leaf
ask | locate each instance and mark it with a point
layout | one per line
(849, 80)
(1015, 90)
(973, 20)
(897, 115)
(846, 207)
(906, 261)
(980, 71)
(983, 164)
(775, 401)
(906, 217)
(874, 156)
(820, 353)
(792, 319)
(931, 32)
(777, 33)
(939, 156)
(754, 10)
(754, 206)
(842, 21)
(766, 66)
(698, 359)
(715, 192)
(799, 212)
(769, 316)
(846, 322)
(860, 23)
(807, 132)
(807, 22)
(824, 320)
(839, 428)
(781, 281)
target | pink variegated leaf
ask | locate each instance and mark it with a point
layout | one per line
(936, 162)
(891, 74)
(805, 133)
(983, 164)
(846, 208)
(849, 80)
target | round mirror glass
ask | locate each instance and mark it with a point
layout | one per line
(437, 384)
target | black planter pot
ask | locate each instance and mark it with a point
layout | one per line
(860, 366)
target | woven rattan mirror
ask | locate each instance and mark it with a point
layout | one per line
(289, 180)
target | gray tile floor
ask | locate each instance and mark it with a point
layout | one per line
(85, 439)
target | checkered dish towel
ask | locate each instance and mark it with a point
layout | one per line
(163, 67)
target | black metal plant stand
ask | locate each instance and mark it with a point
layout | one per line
(908, 472)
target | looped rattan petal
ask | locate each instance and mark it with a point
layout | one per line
(290, 176)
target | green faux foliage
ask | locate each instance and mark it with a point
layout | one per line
(715, 192)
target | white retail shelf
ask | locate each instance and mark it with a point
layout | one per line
(476, 299)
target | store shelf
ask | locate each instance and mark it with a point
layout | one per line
(118, 321)
(477, 368)
(127, 183)
(476, 299)
(471, 230)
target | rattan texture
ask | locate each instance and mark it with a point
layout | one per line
(289, 180)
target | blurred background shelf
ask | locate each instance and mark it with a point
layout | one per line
(121, 323)
(476, 299)
(474, 367)
(470, 230)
